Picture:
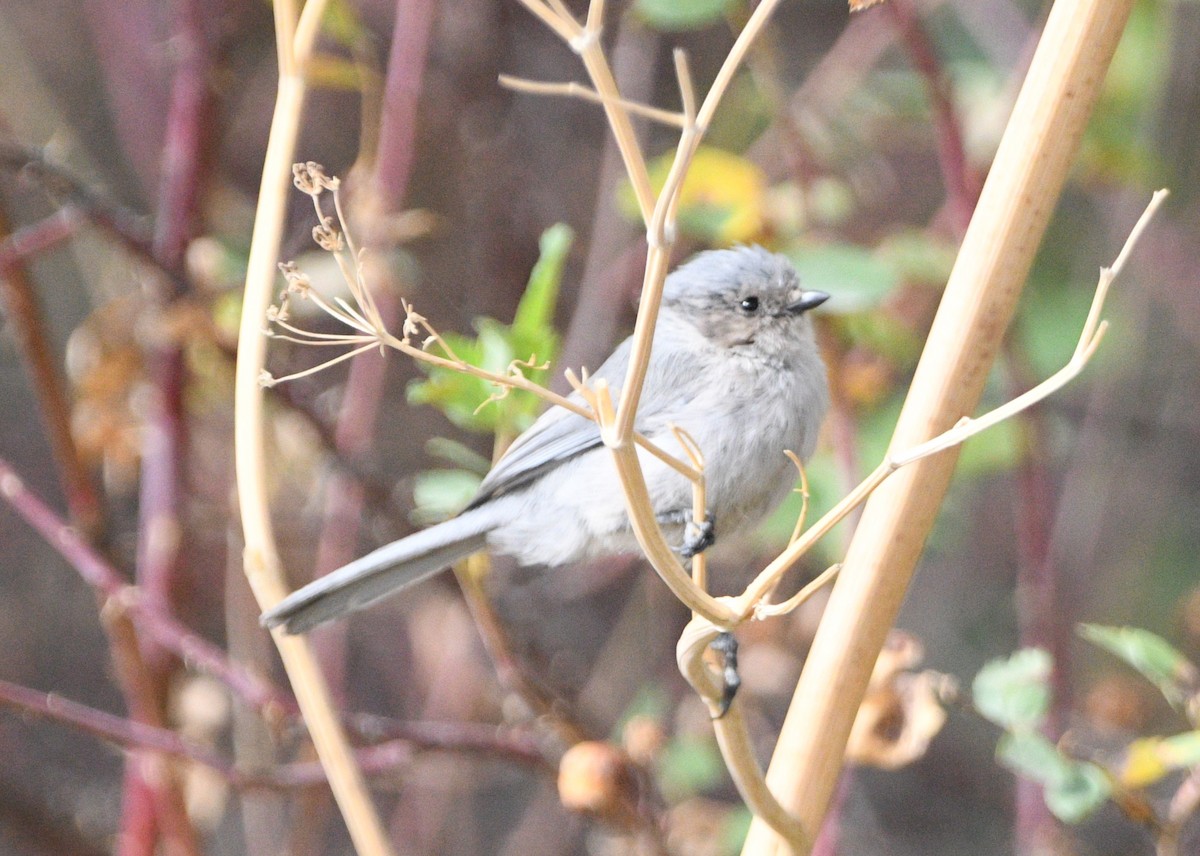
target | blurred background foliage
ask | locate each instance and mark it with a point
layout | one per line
(132, 139)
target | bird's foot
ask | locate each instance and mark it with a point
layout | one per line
(697, 537)
(726, 646)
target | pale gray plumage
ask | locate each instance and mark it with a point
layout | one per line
(734, 363)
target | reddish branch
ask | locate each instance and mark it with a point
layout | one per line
(353, 434)
(118, 594)
(164, 450)
(28, 323)
(61, 185)
(405, 741)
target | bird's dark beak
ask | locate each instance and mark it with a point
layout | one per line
(808, 300)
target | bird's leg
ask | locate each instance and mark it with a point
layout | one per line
(726, 646)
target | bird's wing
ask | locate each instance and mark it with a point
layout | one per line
(559, 435)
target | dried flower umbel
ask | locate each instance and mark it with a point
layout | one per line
(366, 329)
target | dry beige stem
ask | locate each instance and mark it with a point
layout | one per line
(733, 738)
(659, 216)
(295, 36)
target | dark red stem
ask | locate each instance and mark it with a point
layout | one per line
(355, 429)
(160, 506)
(962, 183)
(28, 323)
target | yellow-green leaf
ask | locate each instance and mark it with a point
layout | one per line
(1150, 758)
(722, 198)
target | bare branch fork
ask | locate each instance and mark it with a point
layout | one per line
(753, 602)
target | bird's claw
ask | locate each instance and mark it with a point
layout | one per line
(726, 646)
(698, 537)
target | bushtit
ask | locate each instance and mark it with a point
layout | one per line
(734, 364)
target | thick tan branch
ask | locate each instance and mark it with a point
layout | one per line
(1025, 180)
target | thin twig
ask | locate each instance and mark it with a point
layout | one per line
(1089, 339)
(126, 227)
(733, 737)
(396, 752)
(510, 671)
(571, 89)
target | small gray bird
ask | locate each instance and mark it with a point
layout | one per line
(734, 363)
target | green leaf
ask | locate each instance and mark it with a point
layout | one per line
(1072, 789)
(1156, 659)
(535, 312)
(675, 15)
(1074, 796)
(341, 23)
(1181, 751)
(690, 765)
(1050, 317)
(440, 494)
(495, 345)
(722, 198)
(1014, 693)
(856, 278)
(454, 393)
(995, 450)
(498, 346)
(744, 115)
(459, 454)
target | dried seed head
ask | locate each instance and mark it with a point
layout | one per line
(297, 280)
(901, 712)
(310, 178)
(277, 313)
(327, 236)
(302, 178)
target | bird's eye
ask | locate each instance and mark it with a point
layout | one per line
(750, 304)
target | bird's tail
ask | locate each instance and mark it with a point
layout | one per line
(387, 570)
